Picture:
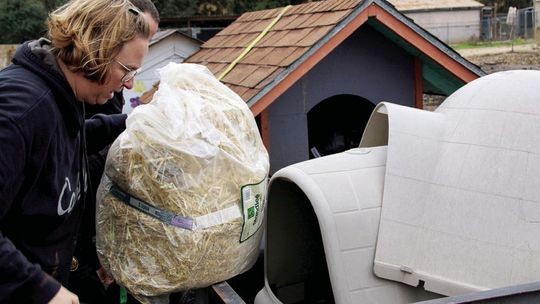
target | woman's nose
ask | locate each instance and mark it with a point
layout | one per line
(128, 84)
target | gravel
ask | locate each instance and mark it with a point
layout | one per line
(491, 60)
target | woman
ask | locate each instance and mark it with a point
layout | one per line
(95, 48)
(88, 279)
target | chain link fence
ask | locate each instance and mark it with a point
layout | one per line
(477, 25)
(519, 24)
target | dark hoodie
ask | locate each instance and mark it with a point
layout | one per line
(42, 173)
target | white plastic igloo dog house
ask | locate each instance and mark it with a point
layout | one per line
(322, 222)
(446, 202)
(461, 206)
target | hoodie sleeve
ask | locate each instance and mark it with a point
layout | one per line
(102, 130)
(19, 278)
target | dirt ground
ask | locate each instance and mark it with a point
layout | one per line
(519, 59)
(495, 59)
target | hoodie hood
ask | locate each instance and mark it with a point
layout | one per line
(36, 56)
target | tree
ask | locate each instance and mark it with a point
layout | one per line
(242, 6)
(21, 20)
(50, 5)
(176, 8)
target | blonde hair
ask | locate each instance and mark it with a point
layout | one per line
(87, 34)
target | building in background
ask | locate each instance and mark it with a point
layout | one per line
(199, 27)
(451, 21)
(166, 46)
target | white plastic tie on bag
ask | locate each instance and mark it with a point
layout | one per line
(217, 218)
(201, 222)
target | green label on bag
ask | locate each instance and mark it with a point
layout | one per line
(253, 199)
(123, 295)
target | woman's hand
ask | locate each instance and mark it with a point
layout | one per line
(105, 278)
(64, 296)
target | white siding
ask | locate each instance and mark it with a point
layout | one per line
(449, 26)
(174, 48)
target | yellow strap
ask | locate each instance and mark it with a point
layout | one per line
(252, 44)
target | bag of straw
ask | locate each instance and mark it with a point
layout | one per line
(181, 202)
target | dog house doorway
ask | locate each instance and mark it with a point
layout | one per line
(336, 124)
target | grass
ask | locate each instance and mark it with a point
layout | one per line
(483, 44)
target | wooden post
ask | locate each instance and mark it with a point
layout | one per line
(265, 133)
(418, 93)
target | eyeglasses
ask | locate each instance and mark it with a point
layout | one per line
(129, 74)
(132, 9)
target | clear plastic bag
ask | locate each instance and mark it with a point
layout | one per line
(193, 153)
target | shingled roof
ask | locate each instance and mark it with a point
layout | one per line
(303, 36)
